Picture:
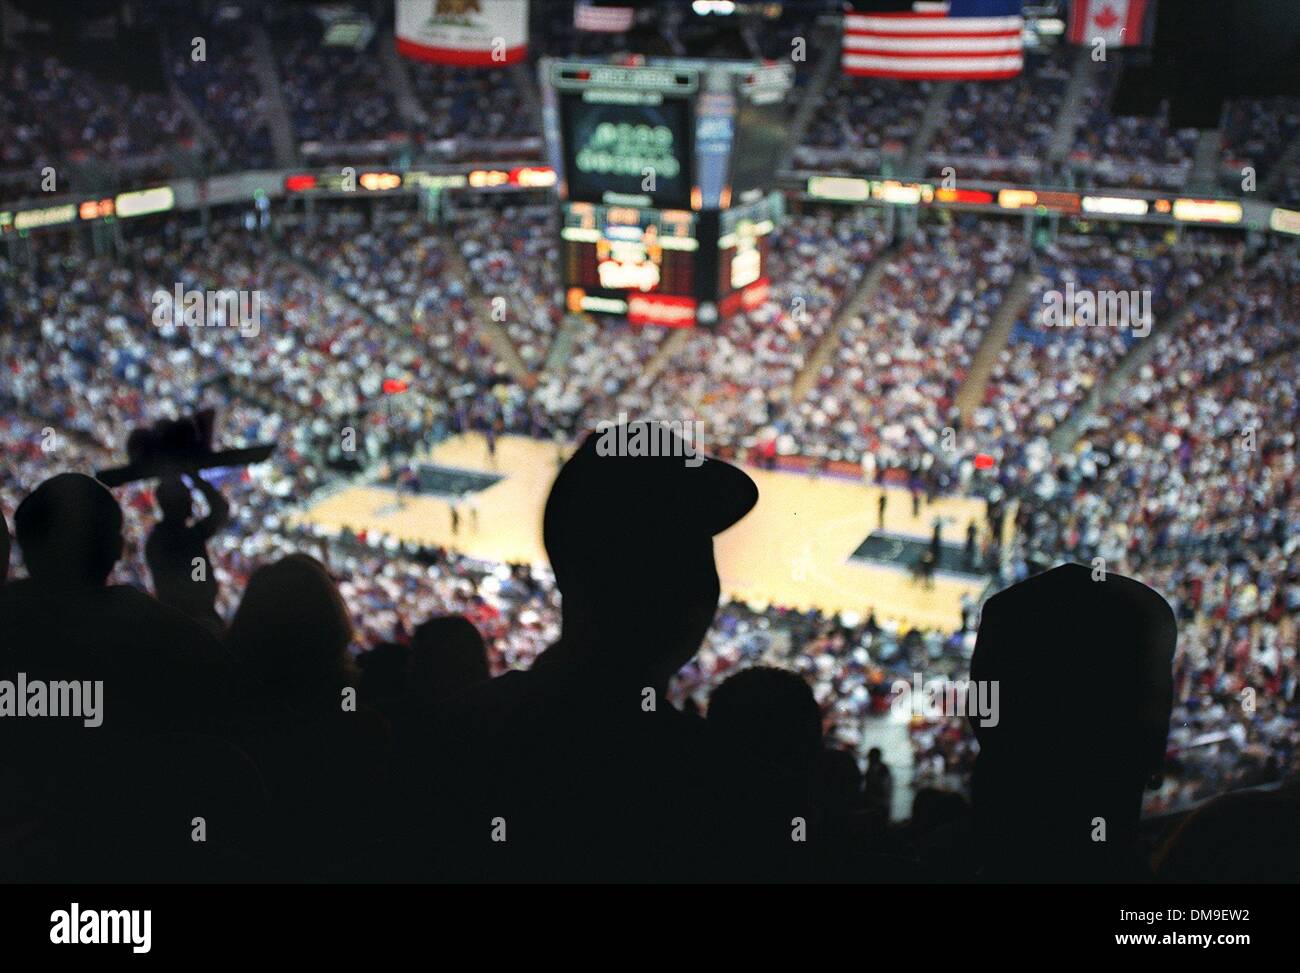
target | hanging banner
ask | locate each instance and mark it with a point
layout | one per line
(466, 33)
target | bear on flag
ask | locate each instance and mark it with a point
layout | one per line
(466, 33)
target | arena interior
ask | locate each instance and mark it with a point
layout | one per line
(452, 260)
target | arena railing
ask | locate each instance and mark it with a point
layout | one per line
(1125, 205)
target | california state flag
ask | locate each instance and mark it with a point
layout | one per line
(1118, 23)
(469, 33)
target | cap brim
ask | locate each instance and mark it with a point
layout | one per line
(731, 493)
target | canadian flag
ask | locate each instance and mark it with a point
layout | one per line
(1118, 23)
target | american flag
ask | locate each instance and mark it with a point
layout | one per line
(961, 40)
(602, 20)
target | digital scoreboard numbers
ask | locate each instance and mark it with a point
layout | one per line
(663, 173)
(621, 153)
(744, 241)
(626, 260)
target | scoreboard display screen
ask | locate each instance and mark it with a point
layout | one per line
(744, 242)
(633, 147)
(630, 261)
(662, 168)
(761, 129)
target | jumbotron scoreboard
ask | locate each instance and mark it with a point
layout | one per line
(663, 175)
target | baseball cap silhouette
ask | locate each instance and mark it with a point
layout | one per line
(1084, 667)
(604, 508)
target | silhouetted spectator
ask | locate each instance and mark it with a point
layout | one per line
(769, 727)
(581, 759)
(878, 785)
(448, 657)
(177, 550)
(70, 531)
(323, 751)
(291, 632)
(1084, 690)
(770, 714)
(64, 621)
(839, 783)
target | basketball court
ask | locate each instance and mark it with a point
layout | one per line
(796, 548)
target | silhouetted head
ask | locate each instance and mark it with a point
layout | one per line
(174, 499)
(771, 714)
(630, 537)
(70, 531)
(447, 657)
(839, 780)
(874, 756)
(292, 628)
(384, 670)
(1082, 670)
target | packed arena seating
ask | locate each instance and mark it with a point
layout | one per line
(511, 254)
(52, 114)
(860, 120)
(1044, 372)
(1183, 475)
(1257, 133)
(223, 87)
(1003, 130)
(937, 294)
(889, 387)
(1119, 150)
(335, 96)
(461, 103)
(737, 379)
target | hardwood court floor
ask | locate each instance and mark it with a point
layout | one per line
(793, 549)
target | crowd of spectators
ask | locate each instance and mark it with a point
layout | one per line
(860, 121)
(53, 114)
(1045, 371)
(1140, 152)
(737, 377)
(1003, 129)
(348, 304)
(889, 387)
(1257, 134)
(470, 103)
(223, 86)
(334, 95)
(1187, 481)
(512, 253)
